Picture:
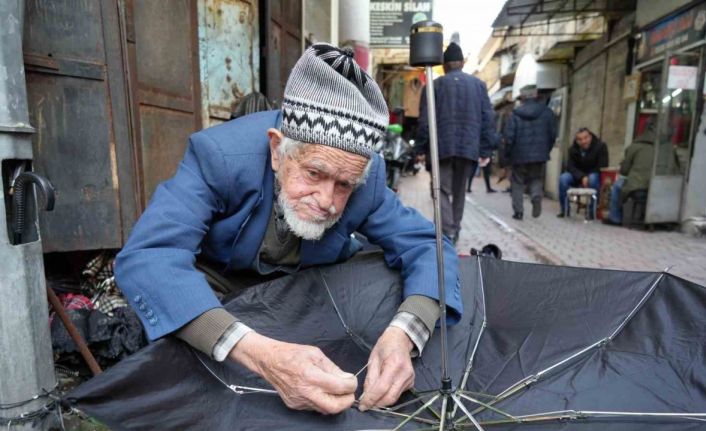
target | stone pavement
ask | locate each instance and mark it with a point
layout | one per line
(548, 239)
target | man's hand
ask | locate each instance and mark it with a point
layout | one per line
(584, 182)
(483, 162)
(304, 377)
(390, 371)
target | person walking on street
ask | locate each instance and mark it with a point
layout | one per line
(465, 133)
(587, 156)
(529, 137)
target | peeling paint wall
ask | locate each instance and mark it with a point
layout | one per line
(229, 56)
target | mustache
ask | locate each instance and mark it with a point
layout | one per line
(314, 205)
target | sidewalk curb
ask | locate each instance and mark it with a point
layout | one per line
(543, 254)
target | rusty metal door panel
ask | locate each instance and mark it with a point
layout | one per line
(229, 55)
(73, 149)
(166, 131)
(72, 103)
(166, 85)
(163, 40)
(274, 61)
(283, 44)
(291, 50)
(65, 29)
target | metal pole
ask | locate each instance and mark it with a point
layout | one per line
(26, 367)
(434, 152)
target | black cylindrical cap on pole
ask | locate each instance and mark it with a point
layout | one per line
(426, 44)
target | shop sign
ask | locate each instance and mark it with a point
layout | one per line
(683, 77)
(390, 21)
(631, 89)
(675, 32)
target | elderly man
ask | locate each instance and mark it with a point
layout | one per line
(275, 192)
(587, 156)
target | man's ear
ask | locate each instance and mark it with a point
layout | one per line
(275, 141)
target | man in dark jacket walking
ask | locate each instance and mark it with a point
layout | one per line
(465, 130)
(587, 156)
(529, 137)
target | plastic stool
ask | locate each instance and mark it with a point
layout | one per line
(577, 196)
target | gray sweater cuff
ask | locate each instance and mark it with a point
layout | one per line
(423, 307)
(204, 332)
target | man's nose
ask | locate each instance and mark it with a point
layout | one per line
(324, 195)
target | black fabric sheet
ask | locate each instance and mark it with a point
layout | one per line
(537, 316)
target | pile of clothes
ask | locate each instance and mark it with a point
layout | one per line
(101, 314)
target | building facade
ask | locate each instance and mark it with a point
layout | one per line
(644, 71)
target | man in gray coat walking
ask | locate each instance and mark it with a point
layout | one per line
(529, 137)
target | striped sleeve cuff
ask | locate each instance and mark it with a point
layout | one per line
(415, 329)
(229, 339)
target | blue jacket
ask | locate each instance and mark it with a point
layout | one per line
(218, 204)
(530, 133)
(464, 117)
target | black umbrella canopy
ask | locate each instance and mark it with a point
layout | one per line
(539, 347)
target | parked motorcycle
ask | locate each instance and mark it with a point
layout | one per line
(399, 155)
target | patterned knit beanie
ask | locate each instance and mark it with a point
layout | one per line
(330, 101)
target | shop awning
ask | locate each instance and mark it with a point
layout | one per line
(565, 50)
(536, 13)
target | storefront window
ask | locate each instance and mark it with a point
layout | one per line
(648, 106)
(678, 108)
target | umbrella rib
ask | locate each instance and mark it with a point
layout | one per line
(495, 409)
(468, 414)
(482, 329)
(587, 414)
(396, 407)
(444, 406)
(416, 413)
(240, 390)
(637, 307)
(356, 338)
(535, 377)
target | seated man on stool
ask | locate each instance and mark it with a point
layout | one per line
(635, 174)
(587, 156)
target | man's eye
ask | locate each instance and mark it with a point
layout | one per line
(312, 174)
(345, 186)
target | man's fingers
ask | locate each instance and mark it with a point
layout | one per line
(327, 365)
(335, 384)
(378, 387)
(331, 404)
(370, 378)
(404, 380)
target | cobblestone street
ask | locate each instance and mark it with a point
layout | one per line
(548, 239)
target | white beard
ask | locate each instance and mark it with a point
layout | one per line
(308, 230)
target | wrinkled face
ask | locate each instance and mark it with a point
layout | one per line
(315, 184)
(583, 138)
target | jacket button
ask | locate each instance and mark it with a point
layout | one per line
(149, 313)
(143, 307)
(137, 298)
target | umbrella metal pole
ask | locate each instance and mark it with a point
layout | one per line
(435, 188)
